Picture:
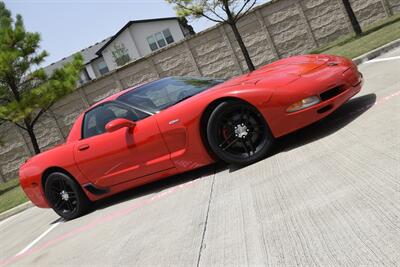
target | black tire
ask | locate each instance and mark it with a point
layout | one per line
(65, 196)
(237, 133)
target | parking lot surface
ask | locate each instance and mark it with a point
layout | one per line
(328, 196)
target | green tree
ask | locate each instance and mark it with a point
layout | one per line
(225, 11)
(352, 16)
(26, 91)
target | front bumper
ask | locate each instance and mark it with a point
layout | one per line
(291, 122)
(33, 189)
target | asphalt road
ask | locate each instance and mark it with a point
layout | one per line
(328, 196)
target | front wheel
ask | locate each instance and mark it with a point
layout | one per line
(237, 133)
(65, 196)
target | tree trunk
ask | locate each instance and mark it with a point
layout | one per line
(32, 136)
(353, 19)
(242, 46)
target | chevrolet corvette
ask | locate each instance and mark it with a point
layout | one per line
(177, 124)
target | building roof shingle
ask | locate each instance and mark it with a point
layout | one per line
(88, 55)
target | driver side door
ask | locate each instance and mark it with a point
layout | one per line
(110, 158)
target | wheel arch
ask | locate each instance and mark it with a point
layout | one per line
(54, 169)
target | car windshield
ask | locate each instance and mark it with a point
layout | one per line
(158, 95)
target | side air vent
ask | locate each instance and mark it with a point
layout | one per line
(331, 93)
(96, 190)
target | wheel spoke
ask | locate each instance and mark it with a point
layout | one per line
(225, 120)
(55, 187)
(58, 204)
(63, 205)
(246, 116)
(71, 205)
(61, 184)
(55, 195)
(64, 186)
(251, 146)
(68, 205)
(226, 140)
(245, 147)
(229, 123)
(258, 131)
(242, 114)
(70, 193)
(230, 144)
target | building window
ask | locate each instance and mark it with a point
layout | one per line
(160, 39)
(102, 67)
(84, 76)
(81, 78)
(152, 43)
(120, 54)
(168, 36)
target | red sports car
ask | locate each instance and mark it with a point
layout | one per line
(177, 124)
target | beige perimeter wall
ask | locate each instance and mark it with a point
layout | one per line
(272, 31)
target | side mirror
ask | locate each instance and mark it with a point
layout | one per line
(117, 124)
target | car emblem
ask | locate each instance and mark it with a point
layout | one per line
(173, 121)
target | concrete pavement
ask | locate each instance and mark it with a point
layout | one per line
(329, 195)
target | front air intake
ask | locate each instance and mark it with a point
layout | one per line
(331, 93)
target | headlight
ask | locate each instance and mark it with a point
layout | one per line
(302, 104)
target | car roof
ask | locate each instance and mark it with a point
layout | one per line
(116, 95)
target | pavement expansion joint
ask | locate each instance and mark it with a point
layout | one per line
(202, 245)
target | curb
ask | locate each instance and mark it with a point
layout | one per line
(15, 210)
(376, 52)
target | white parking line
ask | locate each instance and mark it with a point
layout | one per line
(382, 59)
(38, 239)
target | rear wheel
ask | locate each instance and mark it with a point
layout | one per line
(237, 133)
(65, 196)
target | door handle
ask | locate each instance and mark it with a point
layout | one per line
(83, 147)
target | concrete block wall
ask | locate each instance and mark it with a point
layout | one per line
(271, 31)
(394, 5)
(369, 11)
(213, 54)
(327, 19)
(13, 152)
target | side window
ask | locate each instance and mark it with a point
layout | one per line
(95, 121)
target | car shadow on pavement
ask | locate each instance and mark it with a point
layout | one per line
(329, 125)
(341, 117)
(158, 186)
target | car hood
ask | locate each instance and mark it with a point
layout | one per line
(281, 72)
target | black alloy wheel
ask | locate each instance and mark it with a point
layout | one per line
(65, 196)
(237, 133)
